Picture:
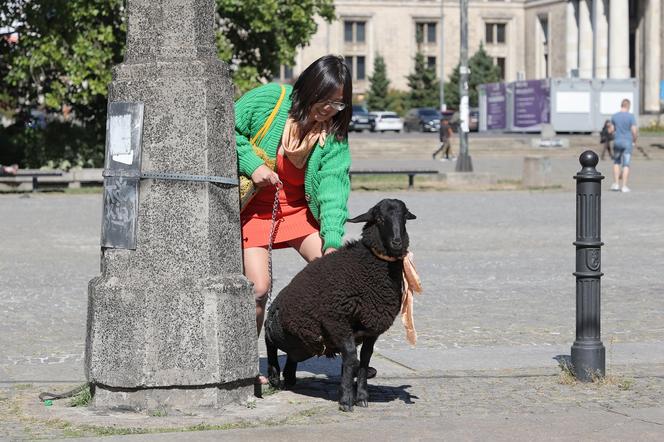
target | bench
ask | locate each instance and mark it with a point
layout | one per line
(26, 179)
(394, 171)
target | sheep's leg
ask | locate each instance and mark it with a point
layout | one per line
(272, 363)
(362, 397)
(348, 366)
(289, 372)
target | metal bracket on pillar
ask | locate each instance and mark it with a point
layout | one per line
(588, 353)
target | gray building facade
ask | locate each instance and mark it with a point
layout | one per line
(527, 39)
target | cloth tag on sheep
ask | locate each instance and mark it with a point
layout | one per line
(411, 282)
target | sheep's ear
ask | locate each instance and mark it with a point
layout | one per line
(364, 218)
(410, 215)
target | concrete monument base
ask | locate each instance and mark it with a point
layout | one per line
(180, 344)
(177, 398)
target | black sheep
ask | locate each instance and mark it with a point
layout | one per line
(341, 300)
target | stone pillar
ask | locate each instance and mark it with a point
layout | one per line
(585, 40)
(653, 56)
(619, 39)
(172, 323)
(572, 35)
(601, 39)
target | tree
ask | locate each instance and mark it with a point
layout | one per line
(61, 60)
(378, 86)
(262, 34)
(66, 49)
(482, 70)
(424, 87)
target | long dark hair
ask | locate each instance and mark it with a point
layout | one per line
(318, 82)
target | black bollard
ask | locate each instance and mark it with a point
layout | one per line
(588, 353)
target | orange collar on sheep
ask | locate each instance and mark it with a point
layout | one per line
(385, 257)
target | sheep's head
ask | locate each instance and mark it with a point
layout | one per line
(385, 228)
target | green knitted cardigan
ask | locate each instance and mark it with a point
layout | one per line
(326, 178)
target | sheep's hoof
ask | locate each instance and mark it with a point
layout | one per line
(362, 403)
(289, 381)
(345, 407)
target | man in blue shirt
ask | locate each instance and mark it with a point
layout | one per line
(623, 128)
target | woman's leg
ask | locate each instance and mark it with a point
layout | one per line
(256, 271)
(310, 247)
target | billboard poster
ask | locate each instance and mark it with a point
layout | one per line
(531, 103)
(496, 106)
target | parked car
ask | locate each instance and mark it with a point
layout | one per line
(360, 119)
(383, 121)
(474, 120)
(423, 119)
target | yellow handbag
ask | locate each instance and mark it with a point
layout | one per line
(247, 187)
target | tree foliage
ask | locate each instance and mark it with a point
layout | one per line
(424, 87)
(262, 34)
(482, 70)
(378, 86)
(66, 49)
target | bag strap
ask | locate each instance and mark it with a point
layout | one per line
(266, 127)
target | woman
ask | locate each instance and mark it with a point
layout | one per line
(308, 138)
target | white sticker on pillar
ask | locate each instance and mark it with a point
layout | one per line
(464, 113)
(120, 139)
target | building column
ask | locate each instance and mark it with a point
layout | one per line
(653, 56)
(572, 36)
(601, 39)
(585, 40)
(619, 39)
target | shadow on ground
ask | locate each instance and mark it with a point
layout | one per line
(320, 377)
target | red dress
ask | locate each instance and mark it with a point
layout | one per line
(294, 219)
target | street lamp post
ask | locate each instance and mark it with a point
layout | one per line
(443, 106)
(464, 162)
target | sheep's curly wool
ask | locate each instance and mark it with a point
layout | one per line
(345, 293)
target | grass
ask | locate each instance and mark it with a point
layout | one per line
(159, 412)
(268, 390)
(654, 128)
(70, 430)
(398, 182)
(82, 399)
(567, 376)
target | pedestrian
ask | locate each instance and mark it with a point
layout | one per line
(445, 134)
(625, 133)
(307, 140)
(605, 138)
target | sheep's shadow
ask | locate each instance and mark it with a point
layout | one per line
(316, 366)
(320, 378)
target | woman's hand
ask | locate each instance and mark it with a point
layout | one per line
(330, 250)
(264, 176)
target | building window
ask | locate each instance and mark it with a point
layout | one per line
(357, 66)
(360, 68)
(431, 63)
(542, 47)
(354, 31)
(359, 31)
(425, 32)
(500, 62)
(494, 33)
(283, 73)
(349, 63)
(288, 73)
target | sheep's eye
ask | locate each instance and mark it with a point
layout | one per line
(379, 219)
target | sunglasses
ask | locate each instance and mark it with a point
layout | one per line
(336, 105)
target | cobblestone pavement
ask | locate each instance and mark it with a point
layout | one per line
(498, 305)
